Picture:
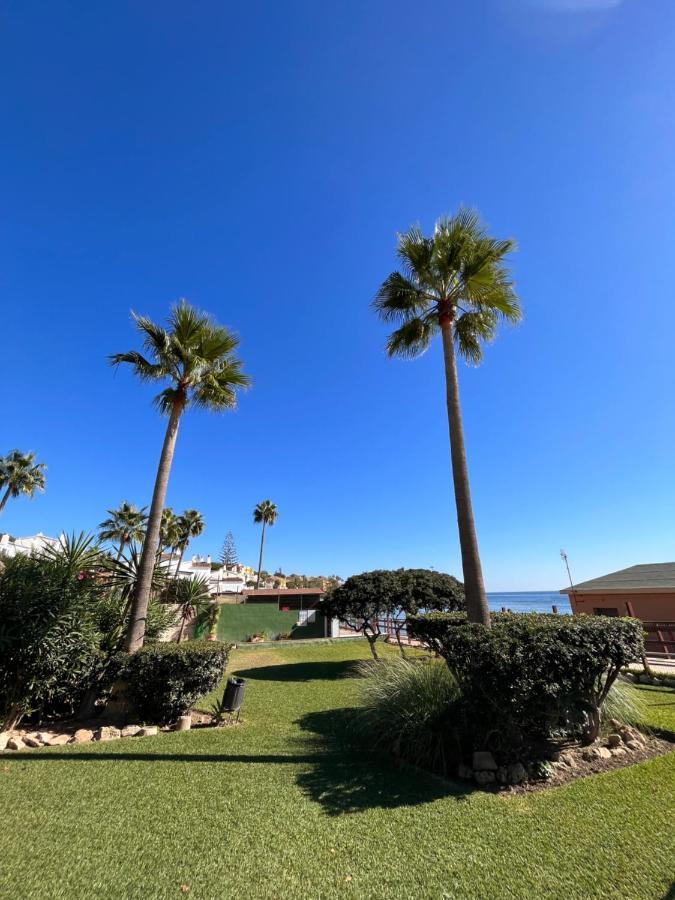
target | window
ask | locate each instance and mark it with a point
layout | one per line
(606, 611)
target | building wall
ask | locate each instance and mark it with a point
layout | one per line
(648, 607)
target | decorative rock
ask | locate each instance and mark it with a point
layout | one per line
(465, 772)
(616, 725)
(57, 740)
(503, 775)
(484, 761)
(604, 753)
(31, 741)
(567, 759)
(82, 736)
(618, 751)
(516, 773)
(107, 733)
(633, 745)
(130, 730)
(4, 738)
(184, 723)
(484, 776)
(147, 731)
(590, 753)
(44, 736)
(15, 743)
(614, 740)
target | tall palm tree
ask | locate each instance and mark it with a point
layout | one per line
(266, 513)
(20, 474)
(123, 525)
(454, 282)
(190, 525)
(196, 358)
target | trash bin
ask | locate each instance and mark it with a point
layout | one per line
(234, 693)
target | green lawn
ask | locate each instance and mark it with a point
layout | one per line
(277, 808)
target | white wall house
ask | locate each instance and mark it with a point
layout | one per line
(220, 581)
(10, 547)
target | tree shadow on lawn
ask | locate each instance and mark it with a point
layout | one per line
(346, 778)
(300, 671)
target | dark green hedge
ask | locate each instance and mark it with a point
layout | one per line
(164, 681)
(531, 677)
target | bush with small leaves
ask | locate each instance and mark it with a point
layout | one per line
(164, 681)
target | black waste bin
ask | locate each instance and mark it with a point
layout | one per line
(234, 693)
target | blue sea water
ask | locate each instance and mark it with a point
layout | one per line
(529, 601)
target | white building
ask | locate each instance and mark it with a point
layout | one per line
(11, 547)
(232, 581)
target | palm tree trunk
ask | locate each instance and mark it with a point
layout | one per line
(180, 560)
(120, 551)
(5, 499)
(182, 626)
(476, 601)
(262, 541)
(139, 607)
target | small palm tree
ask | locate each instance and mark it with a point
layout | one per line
(454, 282)
(196, 357)
(192, 598)
(20, 474)
(124, 525)
(190, 525)
(265, 513)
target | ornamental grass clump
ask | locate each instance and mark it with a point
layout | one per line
(407, 707)
(531, 679)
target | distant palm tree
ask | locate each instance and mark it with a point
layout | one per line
(265, 513)
(197, 358)
(20, 474)
(454, 282)
(169, 533)
(124, 525)
(190, 525)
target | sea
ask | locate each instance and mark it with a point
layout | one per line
(529, 601)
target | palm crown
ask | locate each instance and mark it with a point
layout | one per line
(190, 525)
(124, 524)
(194, 354)
(266, 512)
(20, 474)
(458, 275)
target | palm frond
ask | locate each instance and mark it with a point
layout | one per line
(143, 368)
(412, 338)
(399, 298)
(472, 330)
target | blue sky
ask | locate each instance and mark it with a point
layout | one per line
(259, 159)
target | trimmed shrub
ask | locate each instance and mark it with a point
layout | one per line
(407, 709)
(531, 678)
(164, 681)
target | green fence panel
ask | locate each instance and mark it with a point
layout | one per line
(237, 621)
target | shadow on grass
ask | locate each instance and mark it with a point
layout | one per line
(670, 894)
(346, 778)
(301, 671)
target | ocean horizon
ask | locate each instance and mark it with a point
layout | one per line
(529, 601)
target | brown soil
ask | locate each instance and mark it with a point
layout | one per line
(563, 774)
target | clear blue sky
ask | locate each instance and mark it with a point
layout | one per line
(258, 159)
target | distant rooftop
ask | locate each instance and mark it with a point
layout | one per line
(643, 578)
(282, 592)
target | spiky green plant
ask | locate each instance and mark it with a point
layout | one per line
(626, 704)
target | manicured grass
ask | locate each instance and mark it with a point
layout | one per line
(281, 807)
